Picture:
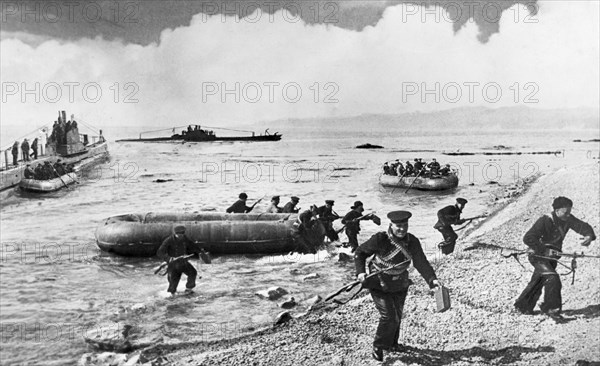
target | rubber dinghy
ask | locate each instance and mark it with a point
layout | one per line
(439, 183)
(50, 185)
(142, 234)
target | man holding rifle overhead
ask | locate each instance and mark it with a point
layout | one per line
(389, 289)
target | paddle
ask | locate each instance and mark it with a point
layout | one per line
(414, 180)
(59, 177)
(399, 179)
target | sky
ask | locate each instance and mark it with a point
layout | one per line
(173, 63)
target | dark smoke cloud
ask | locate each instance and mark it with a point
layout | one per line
(141, 22)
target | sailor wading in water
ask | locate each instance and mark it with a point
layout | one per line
(448, 216)
(389, 289)
(240, 205)
(172, 251)
(274, 207)
(352, 222)
(544, 237)
(290, 207)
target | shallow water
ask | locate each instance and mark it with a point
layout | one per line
(56, 285)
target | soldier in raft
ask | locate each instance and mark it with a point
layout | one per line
(352, 222)
(545, 239)
(434, 166)
(290, 207)
(28, 173)
(386, 168)
(59, 168)
(445, 170)
(274, 207)
(409, 168)
(448, 216)
(388, 290)
(417, 166)
(240, 205)
(38, 172)
(400, 169)
(327, 217)
(171, 250)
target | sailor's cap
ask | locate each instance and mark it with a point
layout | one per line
(294, 198)
(329, 202)
(356, 204)
(398, 217)
(462, 201)
(179, 229)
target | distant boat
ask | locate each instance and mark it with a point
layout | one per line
(197, 133)
(438, 183)
(49, 185)
(70, 148)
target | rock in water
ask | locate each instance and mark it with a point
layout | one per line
(117, 337)
(288, 304)
(310, 276)
(313, 300)
(272, 293)
(283, 317)
(369, 146)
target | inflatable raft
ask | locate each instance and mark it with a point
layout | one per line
(142, 234)
(50, 185)
(421, 183)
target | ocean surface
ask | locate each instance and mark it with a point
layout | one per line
(56, 286)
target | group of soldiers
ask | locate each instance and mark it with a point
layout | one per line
(61, 128)
(418, 168)
(25, 148)
(394, 250)
(47, 171)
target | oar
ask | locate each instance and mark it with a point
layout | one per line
(59, 177)
(400, 179)
(414, 180)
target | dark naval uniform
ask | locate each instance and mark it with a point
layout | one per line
(389, 289)
(239, 207)
(352, 227)
(448, 216)
(173, 247)
(547, 230)
(327, 216)
(290, 207)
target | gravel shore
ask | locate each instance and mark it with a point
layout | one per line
(480, 328)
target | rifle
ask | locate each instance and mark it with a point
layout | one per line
(468, 221)
(369, 216)
(164, 264)
(203, 255)
(351, 285)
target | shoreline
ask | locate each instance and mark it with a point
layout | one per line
(480, 327)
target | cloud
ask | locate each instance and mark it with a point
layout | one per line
(553, 61)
